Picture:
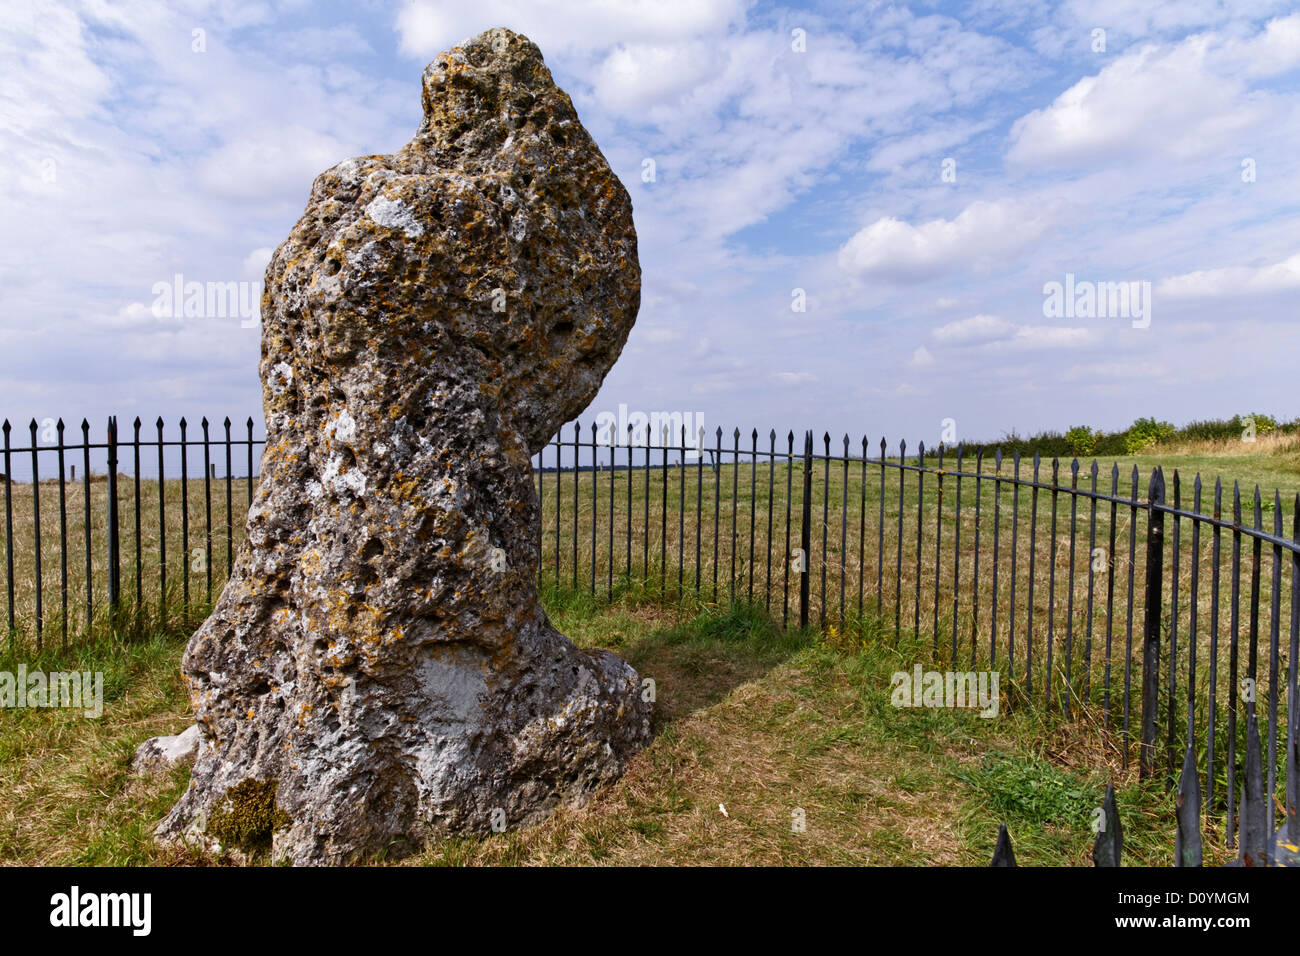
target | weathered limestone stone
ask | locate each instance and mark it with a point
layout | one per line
(159, 754)
(378, 671)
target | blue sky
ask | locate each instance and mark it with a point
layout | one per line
(793, 148)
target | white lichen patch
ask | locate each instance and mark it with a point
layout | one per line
(280, 378)
(392, 214)
(352, 481)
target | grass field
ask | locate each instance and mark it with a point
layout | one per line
(774, 726)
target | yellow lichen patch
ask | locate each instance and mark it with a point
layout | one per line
(247, 815)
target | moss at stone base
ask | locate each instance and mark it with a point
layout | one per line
(247, 815)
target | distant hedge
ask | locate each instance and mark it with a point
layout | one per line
(1084, 442)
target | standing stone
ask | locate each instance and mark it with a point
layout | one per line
(378, 671)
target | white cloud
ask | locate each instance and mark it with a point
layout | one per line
(255, 262)
(1035, 337)
(271, 162)
(921, 357)
(980, 234)
(427, 28)
(1115, 370)
(978, 328)
(1234, 280)
(992, 333)
(1178, 101)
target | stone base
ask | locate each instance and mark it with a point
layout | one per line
(395, 772)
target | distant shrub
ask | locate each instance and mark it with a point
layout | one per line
(1082, 441)
(1146, 432)
(1263, 423)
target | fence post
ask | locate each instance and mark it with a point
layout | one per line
(805, 532)
(114, 546)
(1151, 628)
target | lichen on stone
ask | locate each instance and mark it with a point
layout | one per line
(247, 816)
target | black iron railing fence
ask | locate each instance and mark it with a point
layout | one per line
(1087, 589)
(109, 518)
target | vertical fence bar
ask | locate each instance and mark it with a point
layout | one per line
(1193, 610)
(681, 519)
(162, 519)
(1051, 592)
(135, 485)
(230, 517)
(631, 476)
(1293, 688)
(1151, 629)
(735, 506)
(85, 490)
(63, 540)
(613, 446)
(1274, 639)
(1110, 592)
(1033, 555)
(1212, 706)
(1252, 669)
(1015, 552)
(1092, 575)
(789, 504)
(249, 423)
(805, 536)
(1173, 631)
(9, 532)
(645, 537)
(541, 508)
(880, 538)
(559, 498)
(663, 509)
(114, 533)
(36, 531)
(185, 521)
(898, 557)
(595, 496)
(663, 513)
(993, 599)
(920, 518)
(577, 468)
(699, 503)
(862, 530)
(1128, 636)
(207, 508)
(1234, 625)
(844, 524)
(1069, 601)
(753, 504)
(975, 558)
(826, 504)
(771, 481)
(717, 504)
(956, 552)
(938, 551)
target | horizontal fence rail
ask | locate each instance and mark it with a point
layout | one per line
(1165, 611)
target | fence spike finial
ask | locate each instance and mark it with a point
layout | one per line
(1003, 855)
(1187, 840)
(1108, 848)
(1253, 828)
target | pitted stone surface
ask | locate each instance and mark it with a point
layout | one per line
(380, 655)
